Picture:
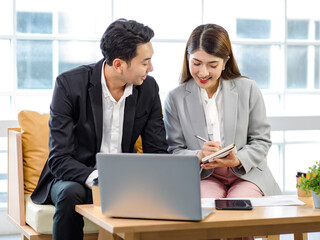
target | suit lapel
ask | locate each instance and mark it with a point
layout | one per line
(230, 110)
(196, 113)
(128, 120)
(95, 95)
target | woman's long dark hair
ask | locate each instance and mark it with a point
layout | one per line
(214, 40)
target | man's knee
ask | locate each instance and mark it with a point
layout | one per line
(71, 193)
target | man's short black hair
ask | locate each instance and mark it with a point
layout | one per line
(121, 39)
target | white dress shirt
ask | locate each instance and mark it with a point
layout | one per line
(213, 111)
(113, 114)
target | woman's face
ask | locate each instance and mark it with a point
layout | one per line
(205, 69)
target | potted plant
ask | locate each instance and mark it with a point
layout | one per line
(311, 181)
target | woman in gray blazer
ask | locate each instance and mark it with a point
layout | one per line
(215, 102)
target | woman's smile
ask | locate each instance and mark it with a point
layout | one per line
(204, 79)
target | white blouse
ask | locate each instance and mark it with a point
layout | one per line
(213, 111)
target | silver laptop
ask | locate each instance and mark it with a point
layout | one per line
(152, 186)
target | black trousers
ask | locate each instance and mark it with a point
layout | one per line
(67, 223)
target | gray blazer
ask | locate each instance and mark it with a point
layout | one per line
(245, 124)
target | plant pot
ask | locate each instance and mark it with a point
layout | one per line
(300, 192)
(316, 199)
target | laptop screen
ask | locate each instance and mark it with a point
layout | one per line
(156, 186)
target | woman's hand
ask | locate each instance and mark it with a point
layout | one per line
(229, 161)
(208, 148)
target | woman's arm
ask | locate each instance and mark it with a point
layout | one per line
(258, 133)
(175, 136)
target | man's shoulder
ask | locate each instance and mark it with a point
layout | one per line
(149, 84)
(150, 81)
(83, 70)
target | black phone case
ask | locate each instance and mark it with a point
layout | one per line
(229, 204)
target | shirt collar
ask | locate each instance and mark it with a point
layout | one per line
(204, 94)
(105, 90)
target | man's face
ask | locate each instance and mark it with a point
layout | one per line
(136, 72)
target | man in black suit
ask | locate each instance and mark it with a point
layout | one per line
(102, 107)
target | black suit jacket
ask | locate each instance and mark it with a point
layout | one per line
(76, 126)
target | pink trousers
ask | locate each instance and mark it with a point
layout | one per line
(224, 184)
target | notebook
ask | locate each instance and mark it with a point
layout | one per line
(151, 186)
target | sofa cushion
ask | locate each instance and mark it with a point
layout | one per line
(40, 218)
(138, 145)
(35, 137)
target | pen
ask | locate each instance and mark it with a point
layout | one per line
(200, 170)
(204, 140)
(201, 138)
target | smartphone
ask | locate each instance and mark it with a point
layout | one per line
(230, 204)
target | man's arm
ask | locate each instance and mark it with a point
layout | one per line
(153, 134)
(62, 139)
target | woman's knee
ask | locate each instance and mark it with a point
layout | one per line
(212, 188)
(242, 188)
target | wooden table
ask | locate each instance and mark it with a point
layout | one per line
(219, 224)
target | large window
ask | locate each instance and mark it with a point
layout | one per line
(38, 40)
(274, 41)
(41, 40)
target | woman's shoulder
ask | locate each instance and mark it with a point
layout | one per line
(179, 89)
(243, 80)
(242, 83)
(177, 95)
(246, 87)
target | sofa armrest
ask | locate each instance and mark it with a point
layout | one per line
(16, 204)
